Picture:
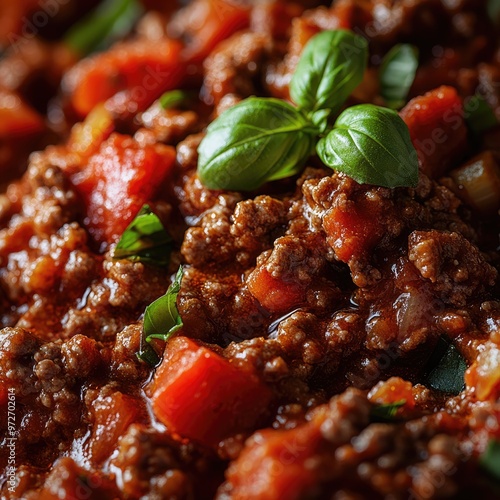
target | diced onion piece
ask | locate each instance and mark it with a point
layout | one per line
(86, 137)
(479, 183)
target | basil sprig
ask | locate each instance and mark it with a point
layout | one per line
(446, 368)
(145, 239)
(265, 139)
(161, 320)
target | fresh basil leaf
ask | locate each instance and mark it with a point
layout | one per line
(145, 239)
(397, 73)
(446, 373)
(161, 318)
(109, 21)
(479, 115)
(490, 459)
(372, 145)
(331, 66)
(386, 412)
(256, 141)
(173, 98)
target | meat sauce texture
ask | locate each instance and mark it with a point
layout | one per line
(316, 311)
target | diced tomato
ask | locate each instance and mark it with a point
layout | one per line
(274, 294)
(112, 416)
(221, 18)
(274, 466)
(392, 391)
(437, 129)
(17, 119)
(69, 481)
(144, 69)
(484, 374)
(118, 180)
(199, 395)
(354, 229)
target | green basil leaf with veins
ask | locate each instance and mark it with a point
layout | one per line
(397, 73)
(331, 66)
(145, 240)
(386, 412)
(372, 145)
(490, 459)
(161, 318)
(256, 141)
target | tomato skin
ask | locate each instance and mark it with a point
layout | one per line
(274, 294)
(112, 416)
(17, 119)
(201, 396)
(437, 129)
(222, 18)
(117, 181)
(143, 69)
(273, 465)
(354, 229)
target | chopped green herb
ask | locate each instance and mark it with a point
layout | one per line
(161, 321)
(386, 412)
(479, 115)
(109, 21)
(161, 318)
(261, 140)
(490, 459)
(173, 98)
(446, 371)
(145, 240)
(397, 73)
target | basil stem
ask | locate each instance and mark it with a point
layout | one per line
(372, 145)
(108, 21)
(386, 412)
(397, 73)
(161, 318)
(446, 369)
(331, 66)
(256, 141)
(145, 240)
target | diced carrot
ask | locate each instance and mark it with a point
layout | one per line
(199, 395)
(143, 68)
(353, 230)
(17, 119)
(118, 180)
(437, 129)
(273, 465)
(221, 18)
(274, 294)
(112, 416)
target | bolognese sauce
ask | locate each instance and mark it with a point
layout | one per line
(249, 249)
